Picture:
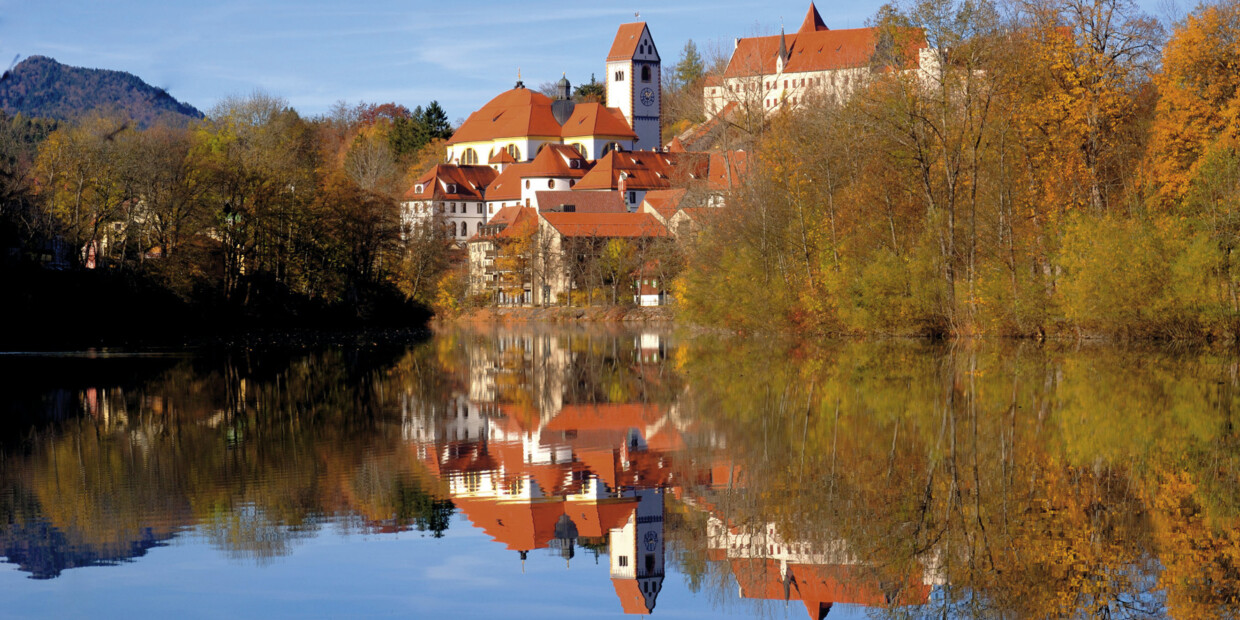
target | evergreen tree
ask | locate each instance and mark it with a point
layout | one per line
(690, 68)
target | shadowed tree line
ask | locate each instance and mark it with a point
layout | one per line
(253, 215)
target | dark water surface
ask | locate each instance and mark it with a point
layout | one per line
(566, 473)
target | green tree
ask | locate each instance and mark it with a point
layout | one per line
(690, 70)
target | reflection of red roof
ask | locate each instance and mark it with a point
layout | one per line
(520, 526)
(595, 519)
(820, 584)
(816, 50)
(631, 598)
(607, 416)
(606, 225)
(625, 44)
(759, 578)
(600, 461)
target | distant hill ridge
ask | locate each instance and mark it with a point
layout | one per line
(41, 87)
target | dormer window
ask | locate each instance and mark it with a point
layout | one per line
(419, 188)
(451, 188)
(574, 164)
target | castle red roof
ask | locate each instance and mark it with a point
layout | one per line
(813, 21)
(814, 50)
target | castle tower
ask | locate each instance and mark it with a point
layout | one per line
(633, 83)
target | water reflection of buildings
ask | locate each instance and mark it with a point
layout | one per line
(586, 478)
(534, 468)
(767, 566)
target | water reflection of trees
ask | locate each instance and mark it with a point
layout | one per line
(1013, 479)
(1027, 481)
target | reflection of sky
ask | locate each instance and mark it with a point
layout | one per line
(463, 574)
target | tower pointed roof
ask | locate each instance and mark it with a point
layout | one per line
(813, 21)
(783, 46)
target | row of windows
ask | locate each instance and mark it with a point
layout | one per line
(740, 88)
(645, 74)
(425, 208)
(770, 103)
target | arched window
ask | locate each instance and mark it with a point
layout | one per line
(469, 157)
(464, 230)
(645, 73)
(514, 151)
(580, 148)
(550, 183)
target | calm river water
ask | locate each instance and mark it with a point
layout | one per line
(604, 472)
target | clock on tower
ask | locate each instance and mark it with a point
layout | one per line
(633, 77)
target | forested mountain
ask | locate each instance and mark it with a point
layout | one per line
(41, 87)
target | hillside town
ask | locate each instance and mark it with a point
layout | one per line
(553, 201)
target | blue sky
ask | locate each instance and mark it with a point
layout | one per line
(314, 53)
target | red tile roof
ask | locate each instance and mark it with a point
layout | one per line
(606, 225)
(595, 119)
(813, 21)
(631, 598)
(646, 170)
(554, 161)
(582, 202)
(470, 181)
(515, 113)
(664, 202)
(624, 47)
(502, 156)
(817, 50)
(726, 169)
(507, 185)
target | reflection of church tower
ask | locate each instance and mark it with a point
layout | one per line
(633, 78)
(637, 554)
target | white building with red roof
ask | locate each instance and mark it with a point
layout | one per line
(520, 122)
(782, 71)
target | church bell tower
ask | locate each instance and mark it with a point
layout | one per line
(633, 83)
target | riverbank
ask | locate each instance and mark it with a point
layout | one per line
(559, 314)
(77, 309)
